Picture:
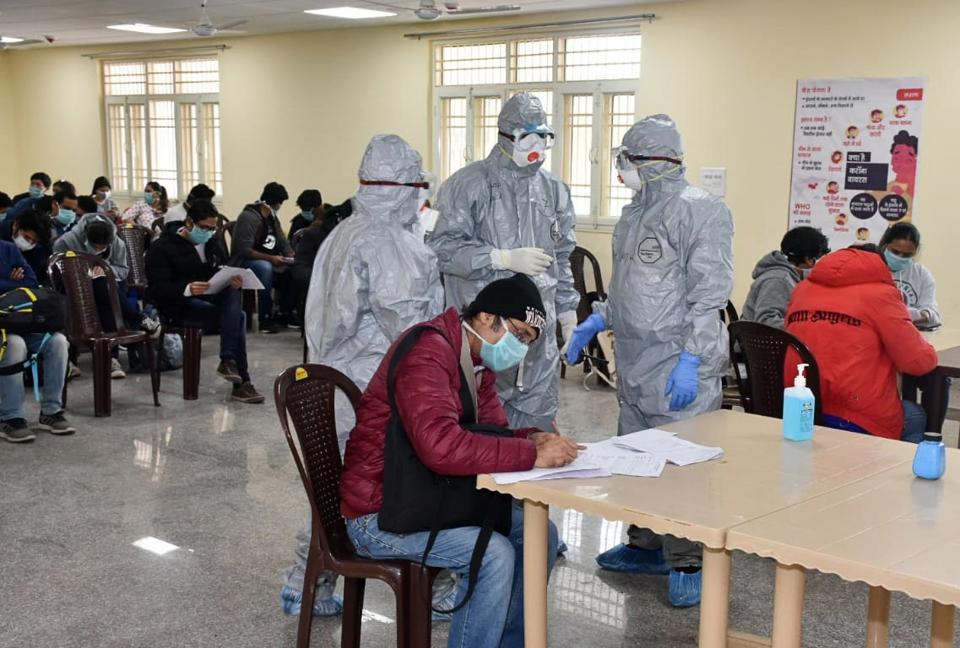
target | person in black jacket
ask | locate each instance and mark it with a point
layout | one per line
(305, 251)
(179, 267)
(310, 202)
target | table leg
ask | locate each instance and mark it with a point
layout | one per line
(941, 627)
(715, 598)
(934, 402)
(534, 574)
(788, 606)
(878, 618)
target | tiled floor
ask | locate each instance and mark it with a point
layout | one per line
(215, 480)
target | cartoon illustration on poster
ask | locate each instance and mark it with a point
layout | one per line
(855, 156)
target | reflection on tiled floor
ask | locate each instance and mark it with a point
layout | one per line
(208, 489)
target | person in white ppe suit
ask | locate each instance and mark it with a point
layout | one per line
(504, 215)
(373, 278)
(672, 274)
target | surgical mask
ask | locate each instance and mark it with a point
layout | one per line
(307, 215)
(506, 353)
(149, 197)
(528, 150)
(23, 244)
(66, 216)
(896, 262)
(199, 236)
(105, 195)
(36, 192)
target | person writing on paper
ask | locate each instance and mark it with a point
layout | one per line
(672, 274)
(183, 260)
(900, 245)
(497, 331)
(373, 278)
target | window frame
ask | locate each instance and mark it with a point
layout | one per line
(600, 89)
(129, 191)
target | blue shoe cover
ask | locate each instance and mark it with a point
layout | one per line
(685, 588)
(625, 558)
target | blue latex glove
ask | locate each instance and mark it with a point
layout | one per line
(585, 331)
(682, 383)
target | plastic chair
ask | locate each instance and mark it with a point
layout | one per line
(594, 363)
(192, 347)
(305, 394)
(731, 389)
(135, 239)
(69, 272)
(224, 229)
(764, 352)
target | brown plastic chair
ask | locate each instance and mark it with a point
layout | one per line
(135, 239)
(192, 347)
(578, 259)
(156, 227)
(69, 273)
(225, 229)
(729, 315)
(764, 351)
(731, 392)
(305, 394)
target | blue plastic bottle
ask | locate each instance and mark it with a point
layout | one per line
(798, 408)
(930, 461)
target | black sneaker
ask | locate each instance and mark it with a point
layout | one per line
(246, 393)
(269, 327)
(55, 424)
(229, 371)
(16, 431)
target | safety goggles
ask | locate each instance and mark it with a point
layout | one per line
(527, 140)
(623, 158)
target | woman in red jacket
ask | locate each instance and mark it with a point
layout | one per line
(850, 315)
(506, 319)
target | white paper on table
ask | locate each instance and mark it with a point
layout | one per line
(579, 468)
(623, 461)
(667, 446)
(222, 279)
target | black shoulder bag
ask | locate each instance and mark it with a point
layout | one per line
(417, 499)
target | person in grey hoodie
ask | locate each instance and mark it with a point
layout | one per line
(258, 243)
(776, 275)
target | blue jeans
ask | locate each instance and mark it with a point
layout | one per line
(54, 358)
(222, 312)
(914, 423)
(264, 271)
(494, 615)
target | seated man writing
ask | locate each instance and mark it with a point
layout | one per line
(188, 254)
(493, 334)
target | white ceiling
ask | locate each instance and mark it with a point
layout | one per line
(83, 22)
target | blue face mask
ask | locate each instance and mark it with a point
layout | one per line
(896, 262)
(506, 353)
(36, 192)
(307, 215)
(66, 216)
(148, 197)
(199, 236)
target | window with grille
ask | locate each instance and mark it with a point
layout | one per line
(588, 87)
(163, 124)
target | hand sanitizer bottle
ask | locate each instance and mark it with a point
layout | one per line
(798, 408)
(931, 458)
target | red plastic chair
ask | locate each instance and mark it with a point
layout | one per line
(305, 395)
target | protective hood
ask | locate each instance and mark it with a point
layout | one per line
(389, 158)
(851, 267)
(522, 112)
(656, 136)
(777, 262)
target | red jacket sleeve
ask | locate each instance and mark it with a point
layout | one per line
(429, 409)
(902, 342)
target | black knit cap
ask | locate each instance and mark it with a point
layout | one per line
(514, 298)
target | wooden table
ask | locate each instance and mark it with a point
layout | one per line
(759, 474)
(947, 343)
(892, 531)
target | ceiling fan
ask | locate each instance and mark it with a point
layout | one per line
(428, 9)
(205, 26)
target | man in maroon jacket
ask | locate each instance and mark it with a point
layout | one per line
(495, 331)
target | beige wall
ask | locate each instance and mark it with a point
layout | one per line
(9, 150)
(299, 108)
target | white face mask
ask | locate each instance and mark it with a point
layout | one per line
(528, 150)
(631, 178)
(23, 244)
